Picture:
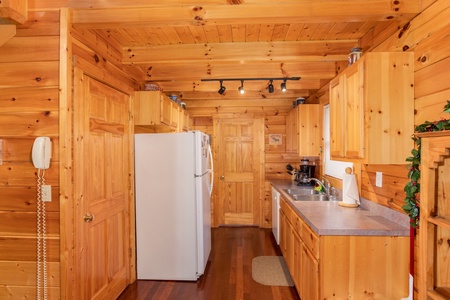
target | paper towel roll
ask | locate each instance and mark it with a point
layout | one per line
(350, 193)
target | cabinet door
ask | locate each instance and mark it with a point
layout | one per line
(309, 130)
(288, 133)
(354, 114)
(337, 118)
(166, 111)
(175, 119)
(283, 223)
(295, 130)
(289, 258)
(309, 276)
(297, 266)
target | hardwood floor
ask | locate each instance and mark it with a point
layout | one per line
(228, 274)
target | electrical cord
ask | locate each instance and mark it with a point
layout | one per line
(41, 264)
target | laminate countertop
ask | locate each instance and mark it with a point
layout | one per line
(329, 218)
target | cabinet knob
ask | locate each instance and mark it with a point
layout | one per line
(222, 177)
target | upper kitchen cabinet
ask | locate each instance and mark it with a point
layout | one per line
(372, 109)
(303, 131)
(155, 112)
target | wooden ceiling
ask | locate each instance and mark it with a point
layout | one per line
(176, 44)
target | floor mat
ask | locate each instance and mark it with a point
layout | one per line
(271, 270)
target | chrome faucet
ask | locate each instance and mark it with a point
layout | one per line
(326, 186)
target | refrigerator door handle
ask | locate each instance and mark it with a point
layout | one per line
(211, 171)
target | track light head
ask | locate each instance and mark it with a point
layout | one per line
(270, 86)
(222, 89)
(241, 88)
(283, 86)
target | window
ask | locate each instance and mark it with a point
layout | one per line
(332, 168)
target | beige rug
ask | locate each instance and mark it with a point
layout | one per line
(271, 270)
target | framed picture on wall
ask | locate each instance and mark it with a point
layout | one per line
(275, 139)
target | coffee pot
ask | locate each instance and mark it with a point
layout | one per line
(305, 172)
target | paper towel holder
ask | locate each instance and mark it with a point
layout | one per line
(349, 171)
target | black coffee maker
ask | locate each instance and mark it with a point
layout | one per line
(305, 172)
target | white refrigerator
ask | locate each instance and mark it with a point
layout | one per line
(173, 182)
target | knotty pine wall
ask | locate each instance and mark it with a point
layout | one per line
(428, 37)
(29, 107)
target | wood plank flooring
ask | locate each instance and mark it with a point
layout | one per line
(228, 274)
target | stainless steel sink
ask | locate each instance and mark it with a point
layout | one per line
(301, 191)
(311, 197)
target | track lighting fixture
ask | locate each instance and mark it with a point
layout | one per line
(222, 88)
(241, 88)
(270, 87)
(283, 86)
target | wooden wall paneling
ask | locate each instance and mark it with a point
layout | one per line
(15, 277)
(101, 69)
(431, 107)
(35, 74)
(391, 194)
(40, 23)
(27, 99)
(29, 124)
(420, 28)
(18, 49)
(29, 107)
(433, 78)
(23, 199)
(6, 33)
(9, 228)
(104, 47)
(23, 248)
(106, 54)
(439, 41)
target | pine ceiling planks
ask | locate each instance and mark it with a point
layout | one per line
(178, 42)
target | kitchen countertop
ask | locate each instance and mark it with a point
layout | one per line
(329, 218)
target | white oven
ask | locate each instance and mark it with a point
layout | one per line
(276, 215)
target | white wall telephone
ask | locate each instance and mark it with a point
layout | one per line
(42, 152)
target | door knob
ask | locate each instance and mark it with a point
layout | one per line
(88, 218)
(222, 177)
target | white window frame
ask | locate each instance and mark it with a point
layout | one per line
(332, 168)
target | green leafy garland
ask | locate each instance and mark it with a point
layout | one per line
(412, 188)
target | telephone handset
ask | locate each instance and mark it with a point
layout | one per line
(42, 152)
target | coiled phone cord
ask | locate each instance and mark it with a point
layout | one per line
(41, 265)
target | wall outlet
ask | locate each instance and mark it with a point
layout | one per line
(379, 179)
(46, 193)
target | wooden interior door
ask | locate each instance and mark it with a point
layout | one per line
(101, 168)
(239, 157)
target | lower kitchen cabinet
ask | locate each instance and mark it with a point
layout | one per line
(342, 266)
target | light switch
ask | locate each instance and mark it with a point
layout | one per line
(379, 179)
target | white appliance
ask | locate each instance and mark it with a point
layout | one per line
(173, 211)
(276, 215)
